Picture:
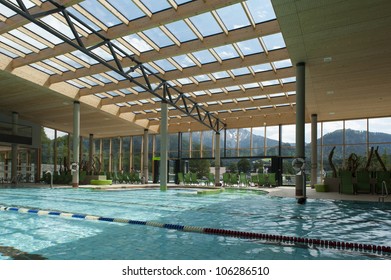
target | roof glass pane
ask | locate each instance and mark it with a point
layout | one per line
(262, 67)
(283, 63)
(84, 57)
(184, 61)
(69, 61)
(243, 99)
(73, 83)
(150, 68)
(165, 65)
(43, 33)
(200, 93)
(88, 81)
(127, 8)
(125, 51)
(112, 93)
(270, 83)
(280, 94)
(251, 85)
(240, 71)
(156, 5)
(202, 78)
(180, 2)
(181, 31)
(102, 54)
(261, 11)
(100, 12)
(58, 26)
(274, 41)
(206, 24)
(220, 75)
(138, 89)
(84, 19)
(116, 76)
(6, 12)
(216, 90)
(233, 16)
(55, 65)
(204, 56)
(138, 43)
(27, 39)
(43, 69)
(226, 52)
(232, 88)
(14, 45)
(102, 96)
(185, 81)
(101, 78)
(250, 47)
(158, 37)
(125, 91)
(289, 80)
(8, 53)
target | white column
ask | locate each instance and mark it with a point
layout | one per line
(14, 149)
(76, 143)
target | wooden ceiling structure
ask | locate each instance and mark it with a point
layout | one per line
(236, 67)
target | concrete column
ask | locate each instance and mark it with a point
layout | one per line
(314, 150)
(76, 143)
(217, 159)
(14, 149)
(145, 157)
(55, 152)
(163, 146)
(300, 126)
(91, 152)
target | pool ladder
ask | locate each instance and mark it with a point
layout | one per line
(384, 191)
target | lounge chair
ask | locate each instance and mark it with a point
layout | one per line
(363, 182)
(346, 184)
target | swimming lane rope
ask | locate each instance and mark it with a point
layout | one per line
(280, 239)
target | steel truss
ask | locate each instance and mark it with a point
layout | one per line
(164, 90)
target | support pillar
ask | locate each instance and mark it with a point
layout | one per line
(217, 159)
(76, 144)
(91, 152)
(163, 146)
(300, 127)
(314, 150)
(14, 150)
(145, 157)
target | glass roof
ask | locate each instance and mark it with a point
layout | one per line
(210, 55)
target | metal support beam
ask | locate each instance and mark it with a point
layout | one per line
(14, 149)
(164, 91)
(76, 144)
(217, 159)
(145, 157)
(314, 150)
(163, 147)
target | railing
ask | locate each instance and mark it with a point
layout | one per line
(384, 191)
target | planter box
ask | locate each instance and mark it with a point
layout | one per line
(321, 188)
(332, 183)
(88, 178)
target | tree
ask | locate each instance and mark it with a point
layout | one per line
(244, 165)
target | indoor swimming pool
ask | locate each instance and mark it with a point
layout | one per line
(49, 235)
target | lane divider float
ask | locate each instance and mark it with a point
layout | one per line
(279, 239)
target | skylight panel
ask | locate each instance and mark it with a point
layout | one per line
(185, 81)
(181, 31)
(73, 83)
(127, 8)
(8, 53)
(138, 89)
(84, 57)
(261, 12)
(125, 91)
(6, 12)
(100, 12)
(274, 41)
(102, 54)
(124, 49)
(59, 26)
(55, 65)
(216, 90)
(270, 83)
(184, 61)
(233, 16)
(243, 99)
(226, 52)
(43, 33)
(101, 96)
(158, 37)
(88, 81)
(250, 47)
(282, 63)
(43, 69)
(69, 61)
(14, 45)
(262, 67)
(202, 78)
(84, 19)
(115, 75)
(165, 65)
(251, 85)
(138, 43)
(204, 56)
(180, 2)
(199, 93)
(206, 24)
(156, 5)
(27, 39)
(220, 75)
(280, 94)
(289, 80)
(240, 71)
(101, 78)
(112, 93)
(232, 88)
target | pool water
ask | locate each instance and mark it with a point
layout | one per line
(32, 236)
